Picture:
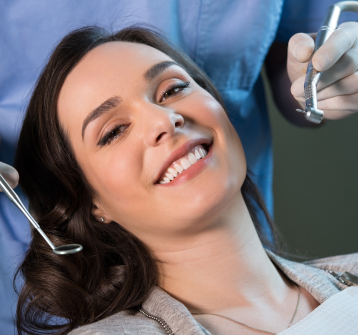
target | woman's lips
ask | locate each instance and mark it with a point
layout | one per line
(179, 153)
(183, 163)
(191, 171)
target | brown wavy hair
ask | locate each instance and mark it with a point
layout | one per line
(115, 271)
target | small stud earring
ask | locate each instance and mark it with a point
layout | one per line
(102, 219)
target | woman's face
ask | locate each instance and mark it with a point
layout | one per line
(133, 116)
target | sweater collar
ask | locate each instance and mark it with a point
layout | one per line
(173, 312)
(320, 284)
(317, 282)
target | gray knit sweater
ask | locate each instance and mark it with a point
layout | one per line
(162, 314)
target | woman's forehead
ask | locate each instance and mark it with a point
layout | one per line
(125, 56)
(112, 62)
(109, 69)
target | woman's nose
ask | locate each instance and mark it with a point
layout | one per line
(160, 124)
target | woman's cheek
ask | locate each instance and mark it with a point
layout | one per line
(213, 113)
(116, 171)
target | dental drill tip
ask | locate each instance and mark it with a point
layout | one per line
(301, 111)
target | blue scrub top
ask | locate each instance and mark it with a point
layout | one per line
(229, 40)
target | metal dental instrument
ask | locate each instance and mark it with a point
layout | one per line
(61, 250)
(329, 24)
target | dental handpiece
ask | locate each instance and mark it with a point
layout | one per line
(13, 197)
(329, 24)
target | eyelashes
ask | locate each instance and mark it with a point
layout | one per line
(113, 134)
(173, 90)
(118, 130)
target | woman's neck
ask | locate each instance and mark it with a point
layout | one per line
(224, 267)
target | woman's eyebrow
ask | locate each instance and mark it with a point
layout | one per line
(113, 102)
(157, 69)
(98, 111)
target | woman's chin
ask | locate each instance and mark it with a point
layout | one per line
(200, 210)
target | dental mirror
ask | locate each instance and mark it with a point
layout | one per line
(13, 197)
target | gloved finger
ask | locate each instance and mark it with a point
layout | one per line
(342, 40)
(335, 114)
(345, 86)
(10, 174)
(297, 89)
(345, 103)
(300, 47)
(333, 107)
(344, 67)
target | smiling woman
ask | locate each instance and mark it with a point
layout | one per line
(109, 116)
(126, 149)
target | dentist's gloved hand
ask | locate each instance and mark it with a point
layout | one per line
(337, 90)
(9, 173)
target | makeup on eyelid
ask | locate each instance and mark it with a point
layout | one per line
(109, 137)
(176, 87)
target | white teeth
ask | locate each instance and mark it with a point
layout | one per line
(192, 158)
(185, 163)
(178, 168)
(168, 175)
(197, 154)
(173, 172)
(202, 152)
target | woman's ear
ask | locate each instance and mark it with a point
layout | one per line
(100, 215)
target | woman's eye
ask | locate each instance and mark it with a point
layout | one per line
(113, 134)
(175, 89)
